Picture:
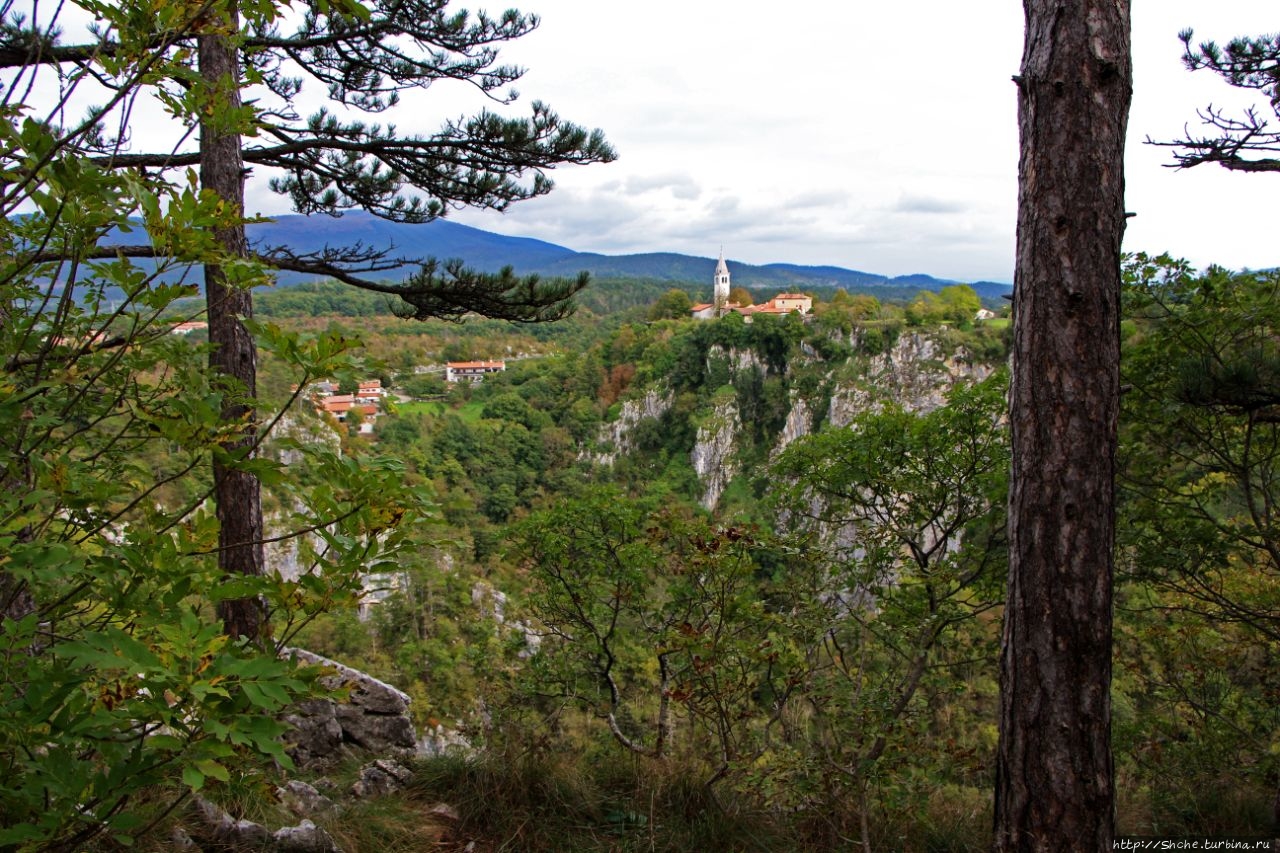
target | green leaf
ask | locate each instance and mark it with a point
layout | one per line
(192, 778)
(210, 768)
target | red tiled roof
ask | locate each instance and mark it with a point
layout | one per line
(337, 403)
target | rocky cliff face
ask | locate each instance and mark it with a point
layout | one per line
(713, 453)
(799, 423)
(738, 359)
(917, 372)
(615, 438)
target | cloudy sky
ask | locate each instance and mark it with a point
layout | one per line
(875, 136)
(869, 135)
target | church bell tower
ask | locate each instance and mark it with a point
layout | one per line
(721, 285)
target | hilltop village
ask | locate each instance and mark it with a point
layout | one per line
(783, 303)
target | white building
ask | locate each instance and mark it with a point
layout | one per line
(471, 371)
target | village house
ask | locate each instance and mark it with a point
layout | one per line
(370, 391)
(471, 371)
(337, 404)
(366, 402)
(783, 303)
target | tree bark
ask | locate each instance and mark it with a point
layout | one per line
(1054, 787)
(237, 494)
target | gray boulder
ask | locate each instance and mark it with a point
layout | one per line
(303, 799)
(374, 715)
(315, 732)
(222, 830)
(306, 837)
(381, 777)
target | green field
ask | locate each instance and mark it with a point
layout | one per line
(469, 412)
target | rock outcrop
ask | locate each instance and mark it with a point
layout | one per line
(374, 715)
(713, 452)
(915, 372)
(799, 423)
(303, 799)
(616, 438)
(381, 777)
(739, 360)
(221, 831)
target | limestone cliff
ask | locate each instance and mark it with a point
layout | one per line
(751, 410)
(799, 423)
(916, 372)
(616, 437)
(713, 454)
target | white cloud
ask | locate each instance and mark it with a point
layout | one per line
(880, 137)
(681, 186)
(926, 204)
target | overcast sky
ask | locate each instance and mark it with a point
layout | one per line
(879, 136)
(875, 136)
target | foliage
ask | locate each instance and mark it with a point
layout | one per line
(114, 678)
(117, 689)
(321, 299)
(956, 303)
(1199, 450)
(910, 508)
(764, 662)
(1202, 441)
(672, 305)
(1251, 63)
(844, 311)
(673, 633)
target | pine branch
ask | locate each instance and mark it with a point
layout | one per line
(442, 291)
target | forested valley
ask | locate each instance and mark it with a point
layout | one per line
(715, 585)
(690, 584)
(484, 561)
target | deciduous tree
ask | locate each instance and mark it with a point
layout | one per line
(653, 619)
(1203, 439)
(234, 70)
(673, 305)
(910, 509)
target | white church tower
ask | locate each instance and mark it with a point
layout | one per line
(721, 292)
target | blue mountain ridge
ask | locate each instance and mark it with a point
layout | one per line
(490, 252)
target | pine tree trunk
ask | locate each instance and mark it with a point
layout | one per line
(238, 495)
(1054, 787)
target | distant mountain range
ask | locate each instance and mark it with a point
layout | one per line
(489, 252)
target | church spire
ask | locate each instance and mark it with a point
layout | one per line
(721, 298)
